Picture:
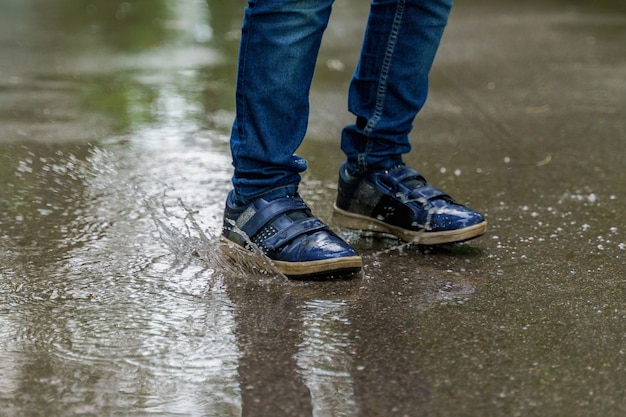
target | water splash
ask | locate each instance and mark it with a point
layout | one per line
(189, 239)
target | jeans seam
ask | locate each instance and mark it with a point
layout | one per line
(381, 90)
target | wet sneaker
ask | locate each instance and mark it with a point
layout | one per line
(298, 244)
(400, 202)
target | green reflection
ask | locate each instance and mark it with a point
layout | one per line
(125, 102)
(164, 31)
(126, 25)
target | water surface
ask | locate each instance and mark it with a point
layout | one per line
(114, 165)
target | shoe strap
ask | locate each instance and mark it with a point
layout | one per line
(427, 193)
(299, 227)
(401, 174)
(270, 211)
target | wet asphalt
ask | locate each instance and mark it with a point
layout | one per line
(114, 165)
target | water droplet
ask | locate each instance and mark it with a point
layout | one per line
(335, 65)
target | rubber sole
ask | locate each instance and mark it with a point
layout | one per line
(359, 222)
(297, 270)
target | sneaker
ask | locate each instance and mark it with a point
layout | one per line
(298, 244)
(400, 202)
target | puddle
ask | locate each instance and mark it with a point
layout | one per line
(115, 297)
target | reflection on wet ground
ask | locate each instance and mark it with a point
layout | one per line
(114, 164)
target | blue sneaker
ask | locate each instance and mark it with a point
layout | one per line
(400, 202)
(298, 244)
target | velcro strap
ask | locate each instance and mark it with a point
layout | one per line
(400, 174)
(268, 213)
(297, 228)
(427, 193)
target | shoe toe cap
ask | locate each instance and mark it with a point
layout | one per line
(454, 217)
(319, 246)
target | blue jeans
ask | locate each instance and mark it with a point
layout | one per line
(279, 47)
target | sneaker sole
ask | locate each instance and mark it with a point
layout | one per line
(309, 269)
(360, 222)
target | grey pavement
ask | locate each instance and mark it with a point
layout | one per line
(114, 164)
